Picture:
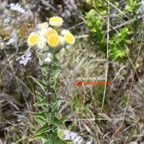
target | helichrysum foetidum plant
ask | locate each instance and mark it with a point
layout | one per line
(48, 40)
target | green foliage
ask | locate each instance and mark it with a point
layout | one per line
(99, 5)
(48, 114)
(119, 39)
(118, 31)
(117, 42)
(95, 24)
(132, 6)
(118, 49)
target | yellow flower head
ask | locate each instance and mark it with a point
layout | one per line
(50, 32)
(69, 38)
(56, 21)
(53, 40)
(33, 39)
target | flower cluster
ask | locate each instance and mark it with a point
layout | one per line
(47, 34)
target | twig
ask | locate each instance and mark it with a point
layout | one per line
(125, 23)
(47, 4)
(118, 73)
(83, 22)
(107, 57)
(116, 8)
(82, 36)
(121, 90)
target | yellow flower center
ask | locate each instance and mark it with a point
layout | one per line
(53, 40)
(51, 31)
(69, 38)
(56, 19)
(33, 39)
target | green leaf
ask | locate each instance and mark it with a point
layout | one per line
(51, 117)
(41, 114)
(39, 96)
(44, 136)
(61, 133)
(43, 103)
(44, 129)
(50, 138)
(40, 83)
(55, 107)
(58, 122)
(54, 139)
(45, 65)
(40, 120)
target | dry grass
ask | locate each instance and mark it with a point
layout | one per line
(96, 112)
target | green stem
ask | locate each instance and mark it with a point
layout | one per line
(49, 96)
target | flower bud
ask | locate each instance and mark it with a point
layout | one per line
(42, 25)
(62, 41)
(47, 60)
(42, 31)
(64, 31)
(42, 43)
(50, 55)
